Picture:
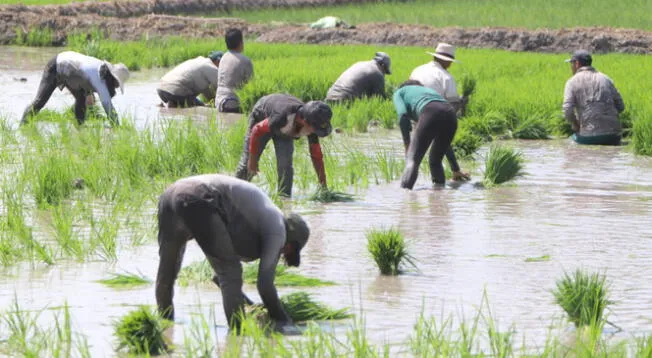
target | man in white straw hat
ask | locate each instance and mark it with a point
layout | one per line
(434, 75)
(82, 75)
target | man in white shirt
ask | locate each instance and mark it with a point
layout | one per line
(181, 86)
(434, 75)
(82, 75)
(235, 71)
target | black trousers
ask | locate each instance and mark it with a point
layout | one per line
(435, 129)
(173, 100)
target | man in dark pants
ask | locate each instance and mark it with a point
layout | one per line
(82, 75)
(283, 118)
(232, 221)
(436, 125)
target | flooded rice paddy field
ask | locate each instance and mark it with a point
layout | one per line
(583, 207)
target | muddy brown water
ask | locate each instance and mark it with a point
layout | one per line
(583, 206)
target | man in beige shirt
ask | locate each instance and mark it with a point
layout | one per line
(592, 103)
(181, 86)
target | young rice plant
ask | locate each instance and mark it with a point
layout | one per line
(389, 250)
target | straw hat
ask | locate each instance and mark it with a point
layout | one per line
(444, 52)
(121, 73)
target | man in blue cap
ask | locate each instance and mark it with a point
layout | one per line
(592, 103)
(181, 86)
(284, 118)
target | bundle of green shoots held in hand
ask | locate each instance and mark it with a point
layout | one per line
(301, 307)
(324, 195)
(468, 85)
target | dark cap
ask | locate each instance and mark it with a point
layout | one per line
(383, 59)
(581, 56)
(216, 55)
(318, 114)
(296, 231)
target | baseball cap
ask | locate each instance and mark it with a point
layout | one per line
(318, 114)
(383, 59)
(582, 56)
(215, 55)
(297, 231)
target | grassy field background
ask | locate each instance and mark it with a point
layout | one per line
(474, 13)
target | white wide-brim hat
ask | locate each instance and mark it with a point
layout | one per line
(444, 52)
(121, 73)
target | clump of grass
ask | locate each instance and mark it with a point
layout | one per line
(583, 296)
(468, 85)
(284, 277)
(141, 332)
(531, 128)
(197, 272)
(128, 279)
(502, 164)
(538, 259)
(642, 136)
(465, 143)
(389, 250)
(301, 307)
(329, 196)
(53, 181)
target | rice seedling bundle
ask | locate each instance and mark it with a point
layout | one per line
(142, 332)
(329, 196)
(531, 128)
(583, 296)
(502, 164)
(389, 250)
(128, 279)
(301, 307)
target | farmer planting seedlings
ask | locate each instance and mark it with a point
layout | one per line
(364, 78)
(592, 103)
(181, 86)
(435, 75)
(232, 221)
(435, 128)
(284, 118)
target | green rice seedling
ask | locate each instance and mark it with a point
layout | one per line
(538, 259)
(388, 167)
(196, 272)
(197, 342)
(643, 347)
(142, 332)
(389, 250)
(65, 234)
(53, 178)
(501, 165)
(531, 128)
(486, 126)
(560, 127)
(125, 280)
(329, 196)
(104, 237)
(468, 85)
(42, 36)
(284, 277)
(301, 307)
(465, 143)
(583, 296)
(642, 136)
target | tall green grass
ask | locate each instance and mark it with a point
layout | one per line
(470, 13)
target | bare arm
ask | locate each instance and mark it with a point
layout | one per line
(273, 241)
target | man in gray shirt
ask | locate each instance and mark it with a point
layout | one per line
(232, 220)
(181, 86)
(235, 71)
(365, 78)
(592, 103)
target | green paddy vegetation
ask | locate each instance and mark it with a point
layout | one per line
(471, 13)
(584, 296)
(502, 164)
(389, 250)
(125, 280)
(45, 2)
(142, 332)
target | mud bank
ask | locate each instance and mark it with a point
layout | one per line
(599, 40)
(144, 7)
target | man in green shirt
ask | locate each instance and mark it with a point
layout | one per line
(436, 125)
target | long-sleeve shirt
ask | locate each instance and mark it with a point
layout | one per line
(362, 79)
(256, 227)
(276, 114)
(235, 71)
(81, 72)
(409, 102)
(592, 101)
(433, 76)
(191, 78)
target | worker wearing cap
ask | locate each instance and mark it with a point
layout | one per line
(82, 75)
(364, 78)
(283, 118)
(435, 75)
(232, 221)
(592, 103)
(181, 86)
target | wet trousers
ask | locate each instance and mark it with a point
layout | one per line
(284, 148)
(193, 212)
(46, 88)
(436, 129)
(604, 139)
(229, 105)
(173, 100)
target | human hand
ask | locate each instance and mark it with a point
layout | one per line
(459, 175)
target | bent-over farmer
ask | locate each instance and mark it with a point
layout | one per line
(284, 118)
(435, 128)
(364, 78)
(596, 100)
(82, 75)
(181, 86)
(231, 220)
